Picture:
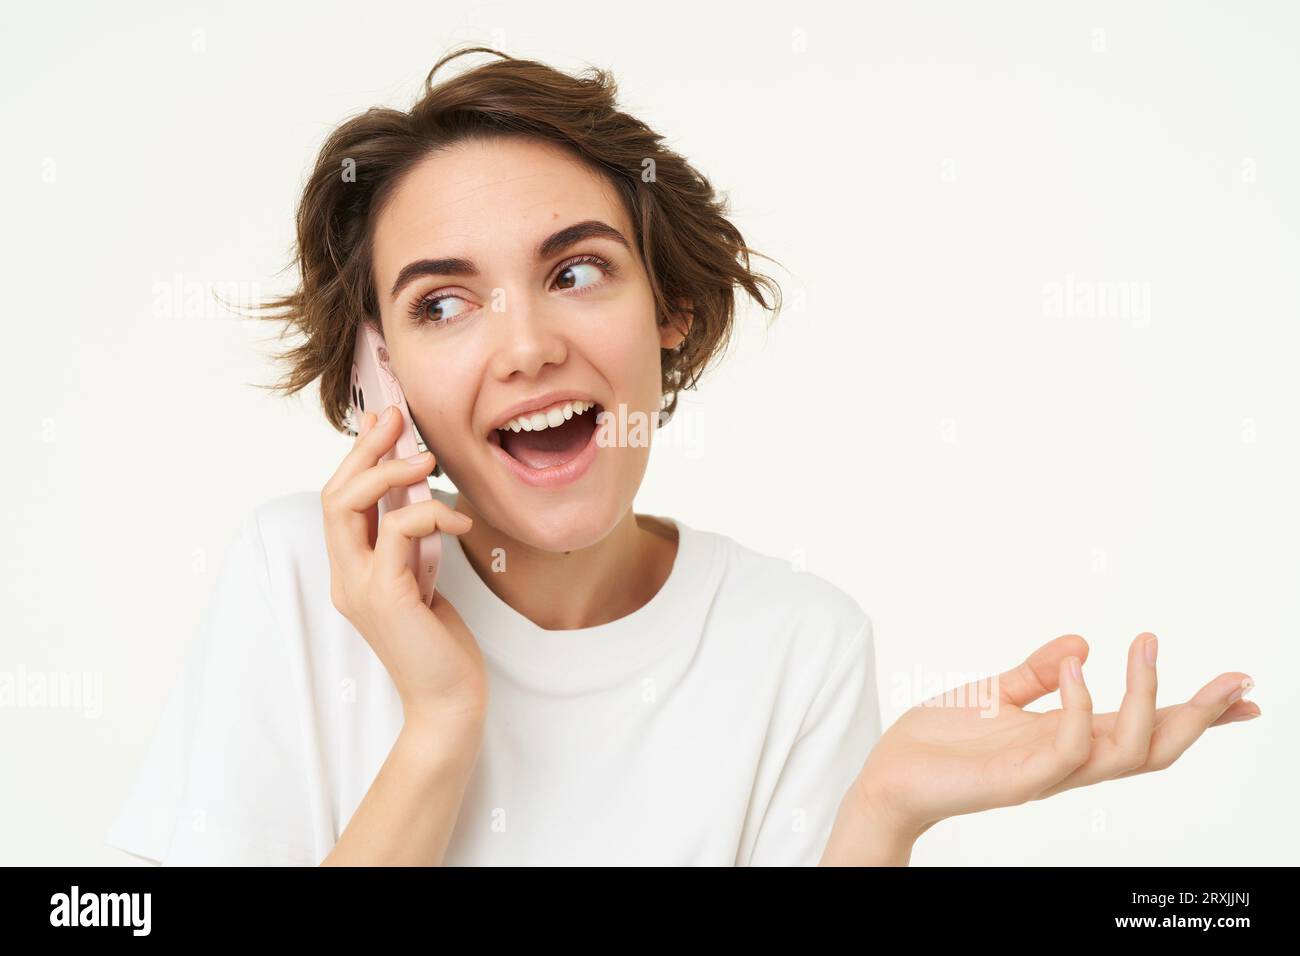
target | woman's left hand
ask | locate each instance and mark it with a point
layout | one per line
(975, 747)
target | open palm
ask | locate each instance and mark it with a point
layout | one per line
(976, 747)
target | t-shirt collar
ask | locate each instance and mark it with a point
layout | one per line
(582, 658)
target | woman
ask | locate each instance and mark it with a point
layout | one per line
(590, 685)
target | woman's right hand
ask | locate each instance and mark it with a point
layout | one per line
(429, 653)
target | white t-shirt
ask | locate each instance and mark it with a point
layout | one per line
(719, 724)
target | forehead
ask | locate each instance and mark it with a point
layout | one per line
(480, 199)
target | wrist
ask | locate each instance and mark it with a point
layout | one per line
(442, 716)
(869, 832)
(442, 741)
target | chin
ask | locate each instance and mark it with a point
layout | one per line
(555, 520)
(565, 526)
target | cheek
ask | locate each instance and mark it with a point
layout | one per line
(437, 396)
(628, 359)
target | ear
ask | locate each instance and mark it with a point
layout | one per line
(674, 330)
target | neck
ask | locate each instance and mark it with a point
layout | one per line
(563, 590)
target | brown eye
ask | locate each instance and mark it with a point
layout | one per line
(590, 269)
(430, 310)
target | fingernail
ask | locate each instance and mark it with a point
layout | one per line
(1151, 648)
(463, 517)
(421, 459)
(387, 417)
(1243, 717)
(1075, 670)
(1246, 684)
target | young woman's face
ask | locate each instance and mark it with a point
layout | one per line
(532, 313)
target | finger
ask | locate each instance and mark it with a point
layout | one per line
(348, 532)
(400, 529)
(364, 491)
(1044, 769)
(1239, 711)
(1074, 733)
(368, 420)
(368, 448)
(362, 494)
(1040, 673)
(1182, 728)
(1137, 712)
(1104, 724)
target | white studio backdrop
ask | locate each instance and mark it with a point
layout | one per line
(1036, 373)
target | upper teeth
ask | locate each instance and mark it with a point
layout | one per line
(548, 418)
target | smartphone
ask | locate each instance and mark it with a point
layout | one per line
(374, 388)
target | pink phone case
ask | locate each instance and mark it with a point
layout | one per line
(374, 388)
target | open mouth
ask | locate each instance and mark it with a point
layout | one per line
(550, 445)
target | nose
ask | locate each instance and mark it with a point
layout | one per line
(528, 337)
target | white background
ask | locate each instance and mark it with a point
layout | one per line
(920, 426)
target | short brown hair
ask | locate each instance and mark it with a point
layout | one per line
(689, 248)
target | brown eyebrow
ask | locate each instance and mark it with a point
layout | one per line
(552, 245)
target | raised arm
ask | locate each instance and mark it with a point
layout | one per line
(409, 812)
